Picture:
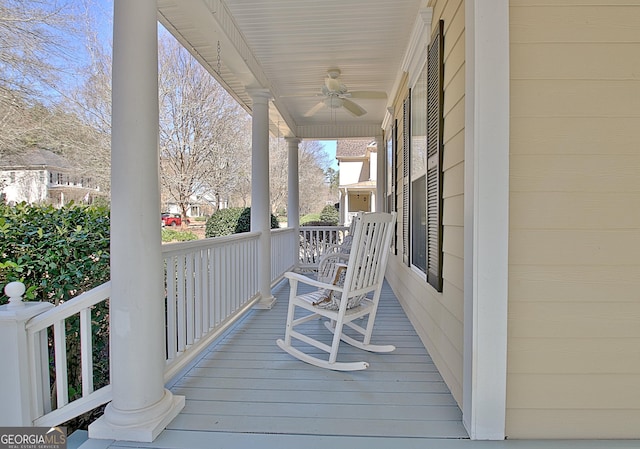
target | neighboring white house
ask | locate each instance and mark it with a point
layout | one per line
(199, 205)
(357, 177)
(37, 175)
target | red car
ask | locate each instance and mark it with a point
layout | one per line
(171, 219)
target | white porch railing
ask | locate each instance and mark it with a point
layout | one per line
(315, 241)
(283, 252)
(43, 413)
(210, 284)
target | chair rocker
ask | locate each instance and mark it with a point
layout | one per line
(353, 294)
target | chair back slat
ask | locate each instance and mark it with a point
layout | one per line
(369, 251)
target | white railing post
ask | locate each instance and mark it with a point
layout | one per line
(15, 370)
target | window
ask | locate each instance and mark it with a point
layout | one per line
(392, 179)
(422, 172)
(418, 169)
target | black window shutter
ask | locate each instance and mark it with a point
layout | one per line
(406, 173)
(435, 125)
(394, 180)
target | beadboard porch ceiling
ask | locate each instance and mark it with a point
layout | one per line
(287, 47)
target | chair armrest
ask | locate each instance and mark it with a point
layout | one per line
(307, 280)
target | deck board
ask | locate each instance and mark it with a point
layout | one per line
(244, 383)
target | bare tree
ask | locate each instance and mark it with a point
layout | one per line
(278, 168)
(313, 186)
(204, 133)
(91, 102)
(312, 164)
(35, 41)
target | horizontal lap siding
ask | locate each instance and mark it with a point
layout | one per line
(438, 317)
(574, 276)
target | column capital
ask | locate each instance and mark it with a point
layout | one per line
(259, 95)
(293, 140)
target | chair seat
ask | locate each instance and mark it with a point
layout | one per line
(312, 298)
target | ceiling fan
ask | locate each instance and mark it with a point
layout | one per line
(336, 95)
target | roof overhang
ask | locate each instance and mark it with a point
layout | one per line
(288, 48)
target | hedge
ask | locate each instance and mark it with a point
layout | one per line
(232, 221)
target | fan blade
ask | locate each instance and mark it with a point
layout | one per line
(352, 107)
(314, 109)
(368, 95)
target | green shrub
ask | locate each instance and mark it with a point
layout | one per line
(56, 253)
(170, 235)
(232, 221)
(330, 215)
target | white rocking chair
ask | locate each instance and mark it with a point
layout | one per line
(344, 302)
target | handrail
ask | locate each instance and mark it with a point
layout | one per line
(71, 307)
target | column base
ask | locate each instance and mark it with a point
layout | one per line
(266, 303)
(145, 431)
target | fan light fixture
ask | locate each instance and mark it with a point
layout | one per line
(333, 102)
(336, 96)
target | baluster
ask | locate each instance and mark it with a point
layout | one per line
(60, 352)
(86, 351)
(172, 335)
(182, 331)
(190, 298)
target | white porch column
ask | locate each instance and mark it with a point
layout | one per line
(346, 221)
(380, 175)
(293, 186)
(141, 407)
(260, 200)
(486, 218)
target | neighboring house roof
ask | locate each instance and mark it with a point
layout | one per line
(352, 148)
(32, 158)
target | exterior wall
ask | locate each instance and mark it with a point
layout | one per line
(574, 272)
(28, 185)
(438, 317)
(359, 201)
(352, 172)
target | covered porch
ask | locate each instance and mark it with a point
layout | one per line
(243, 387)
(243, 391)
(151, 341)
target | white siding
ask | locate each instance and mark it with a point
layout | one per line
(574, 338)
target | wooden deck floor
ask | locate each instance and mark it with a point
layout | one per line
(245, 392)
(246, 384)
